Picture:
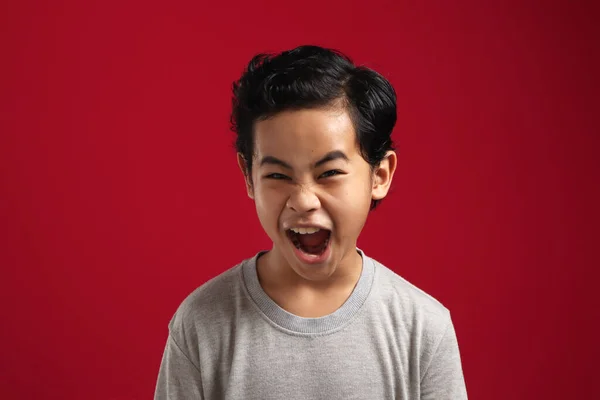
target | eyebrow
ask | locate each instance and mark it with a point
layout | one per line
(331, 156)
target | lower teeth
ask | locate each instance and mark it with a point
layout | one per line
(316, 250)
(312, 250)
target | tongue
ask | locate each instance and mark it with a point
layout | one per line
(314, 239)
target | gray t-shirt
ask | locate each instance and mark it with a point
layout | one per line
(389, 340)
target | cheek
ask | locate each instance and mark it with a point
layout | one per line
(353, 195)
(349, 205)
(269, 202)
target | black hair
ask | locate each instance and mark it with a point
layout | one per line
(312, 77)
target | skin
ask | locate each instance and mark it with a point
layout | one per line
(307, 168)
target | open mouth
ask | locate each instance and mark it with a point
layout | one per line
(311, 241)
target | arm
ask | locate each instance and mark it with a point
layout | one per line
(178, 377)
(443, 378)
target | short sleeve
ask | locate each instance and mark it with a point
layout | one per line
(178, 377)
(443, 378)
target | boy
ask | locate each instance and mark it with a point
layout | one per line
(314, 317)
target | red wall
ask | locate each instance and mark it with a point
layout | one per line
(120, 192)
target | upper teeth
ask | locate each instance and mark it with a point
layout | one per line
(304, 231)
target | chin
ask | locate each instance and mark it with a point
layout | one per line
(313, 267)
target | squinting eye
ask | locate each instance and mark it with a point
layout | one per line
(331, 173)
(276, 176)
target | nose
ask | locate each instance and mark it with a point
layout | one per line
(303, 200)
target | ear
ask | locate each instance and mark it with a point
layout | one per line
(382, 176)
(247, 178)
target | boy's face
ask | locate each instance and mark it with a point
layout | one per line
(308, 173)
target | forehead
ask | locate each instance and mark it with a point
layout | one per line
(304, 132)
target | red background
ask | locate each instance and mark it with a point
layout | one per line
(120, 192)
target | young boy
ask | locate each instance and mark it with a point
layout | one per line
(314, 317)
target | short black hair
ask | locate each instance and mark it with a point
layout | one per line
(311, 77)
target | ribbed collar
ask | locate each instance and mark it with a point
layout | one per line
(297, 324)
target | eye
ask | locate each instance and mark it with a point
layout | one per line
(277, 176)
(331, 173)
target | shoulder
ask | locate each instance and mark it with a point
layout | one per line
(418, 311)
(209, 304)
